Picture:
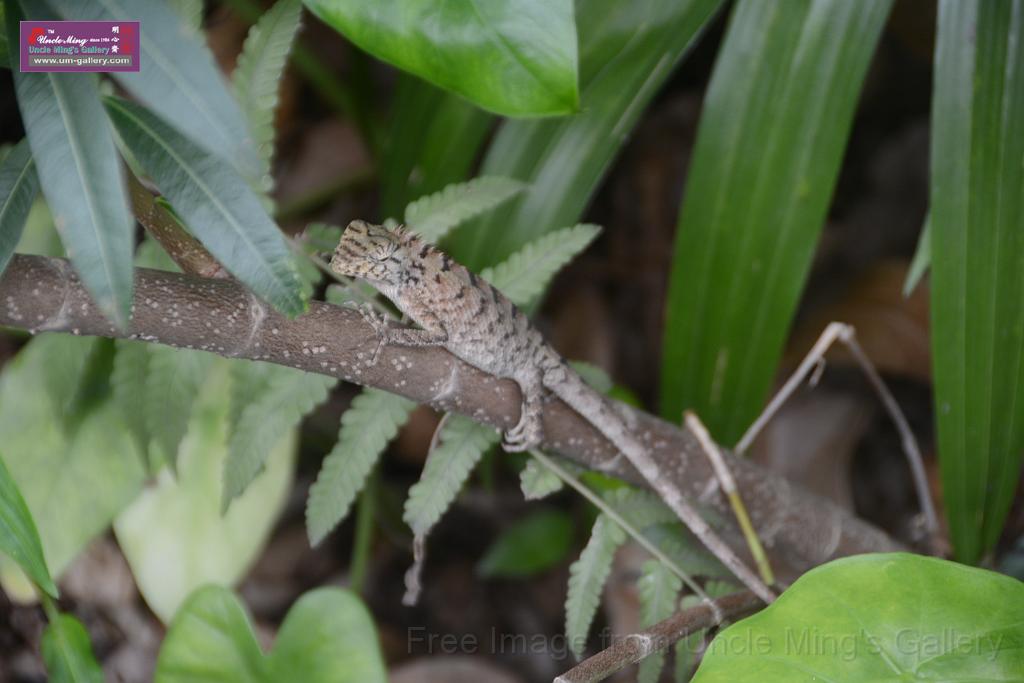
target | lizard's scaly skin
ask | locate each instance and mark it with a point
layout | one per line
(468, 316)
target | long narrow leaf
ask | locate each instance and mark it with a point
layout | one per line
(19, 186)
(366, 428)
(68, 653)
(776, 118)
(81, 177)
(177, 77)
(977, 245)
(19, 539)
(215, 202)
(627, 50)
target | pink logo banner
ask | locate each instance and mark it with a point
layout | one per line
(78, 46)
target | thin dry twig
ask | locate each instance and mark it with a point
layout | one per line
(634, 647)
(837, 331)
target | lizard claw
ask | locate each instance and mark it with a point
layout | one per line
(376, 320)
(524, 436)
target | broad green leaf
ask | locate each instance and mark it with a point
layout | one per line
(587, 577)
(40, 234)
(258, 75)
(74, 481)
(328, 636)
(367, 426)
(531, 545)
(180, 516)
(68, 654)
(19, 186)
(215, 203)
(431, 217)
(19, 539)
(516, 58)
(173, 378)
(658, 588)
(526, 273)
(977, 245)
(128, 382)
(289, 395)
(460, 446)
(178, 77)
(81, 177)
(886, 617)
(922, 258)
(776, 118)
(627, 50)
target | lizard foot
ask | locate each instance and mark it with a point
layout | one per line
(376, 320)
(525, 435)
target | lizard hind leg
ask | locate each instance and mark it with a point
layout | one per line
(529, 431)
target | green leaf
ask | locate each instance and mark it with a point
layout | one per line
(289, 395)
(19, 186)
(658, 588)
(178, 77)
(180, 515)
(886, 617)
(328, 636)
(431, 217)
(776, 118)
(128, 382)
(530, 546)
(627, 50)
(173, 378)
(191, 12)
(977, 243)
(215, 203)
(597, 378)
(460, 446)
(19, 539)
(319, 237)
(67, 652)
(80, 173)
(258, 75)
(587, 577)
(922, 258)
(526, 273)
(537, 481)
(367, 426)
(75, 480)
(513, 57)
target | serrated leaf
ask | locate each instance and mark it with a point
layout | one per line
(320, 237)
(289, 395)
(19, 186)
(128, 382)
(68, 654)
(249, 381)
(460, 445)
(258, 75)
(537, 481)
(191, 11)
(172, 383)
(81, 177)
(525, 274)
(216, 203)
(431, 217)
(587, 577)
(658, 588)
(177, 76)
(640, 508)
(367, 426)
(19, 539)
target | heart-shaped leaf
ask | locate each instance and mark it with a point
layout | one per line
(885, 617)
(328, 636)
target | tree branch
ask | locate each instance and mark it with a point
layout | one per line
(798, 529)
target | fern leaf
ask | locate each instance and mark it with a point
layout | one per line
(367, 426)
(249, 380)
(172, 384)
(320, 237)
(460, 445)
(288, 396)
(537, 481)
(685, 550)
(642, 509)
(587, 577)
(525, 274)
(431, 217)
(191, 12)
(128, 383)
(258, 74)
(658, 588)
(597, 378)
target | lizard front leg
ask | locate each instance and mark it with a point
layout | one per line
(400, 336)
(529, 431)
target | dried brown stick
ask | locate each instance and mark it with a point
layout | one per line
(799, 530)
(634, 647)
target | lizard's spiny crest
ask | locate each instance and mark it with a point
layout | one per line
(373, 252)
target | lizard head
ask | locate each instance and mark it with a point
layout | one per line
(372, 252)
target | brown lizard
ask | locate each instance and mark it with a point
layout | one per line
(458, 310)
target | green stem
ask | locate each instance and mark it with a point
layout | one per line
(365, 513)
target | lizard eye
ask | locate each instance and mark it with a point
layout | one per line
(382, 251)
